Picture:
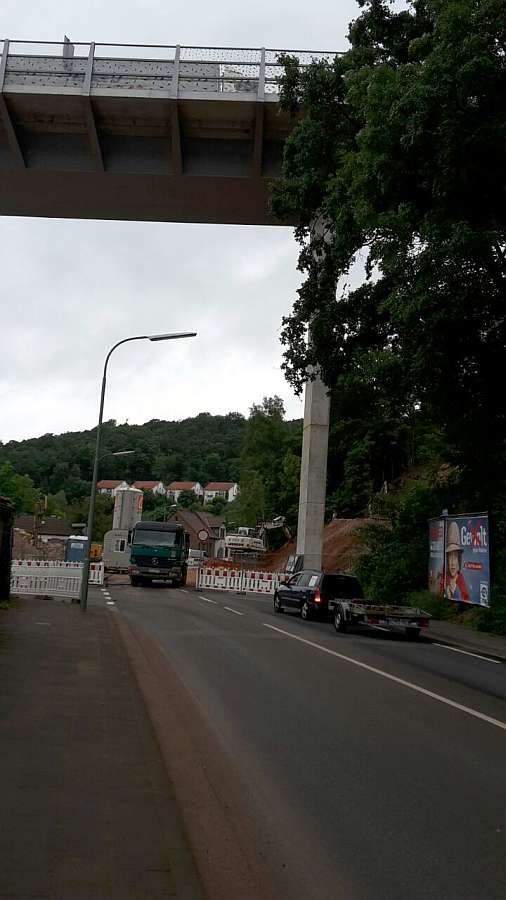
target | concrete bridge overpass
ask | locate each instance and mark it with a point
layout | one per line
(182, 134)
(154, 133)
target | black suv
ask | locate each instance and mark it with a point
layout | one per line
(308, 592)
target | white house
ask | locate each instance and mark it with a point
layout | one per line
(111, 487)
(227, 489)
(175, 488)
(156, 487)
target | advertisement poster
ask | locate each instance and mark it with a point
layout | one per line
(436, 555)
(467, 566)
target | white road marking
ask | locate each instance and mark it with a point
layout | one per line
(467, 653)
(110, 603)
(208, 600)
(236, 611)
(413, 687)
(43, 623)
(183, 591)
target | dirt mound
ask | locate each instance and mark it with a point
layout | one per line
(340, 547)
(23, 548)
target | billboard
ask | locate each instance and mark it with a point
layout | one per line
(436, 555)
(459, 559)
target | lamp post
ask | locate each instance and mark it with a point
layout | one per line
(83, 598)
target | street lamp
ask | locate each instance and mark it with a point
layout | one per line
(83, 599)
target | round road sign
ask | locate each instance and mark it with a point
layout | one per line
(203, 535)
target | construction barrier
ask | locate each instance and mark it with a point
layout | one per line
(46, 582)
(240, 581)
(51, 577)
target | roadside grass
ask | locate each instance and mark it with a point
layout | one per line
(492, 621)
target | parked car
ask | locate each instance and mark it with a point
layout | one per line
(308, 592)
(339, 597)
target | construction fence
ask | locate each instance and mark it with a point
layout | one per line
(51, 577)
(239, 580)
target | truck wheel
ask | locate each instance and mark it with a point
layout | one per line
(277, 605)
(134, 581)
(339, 620)
(412, 634)
(305, 610)
(185, 575)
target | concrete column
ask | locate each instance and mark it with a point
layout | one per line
(313, 474)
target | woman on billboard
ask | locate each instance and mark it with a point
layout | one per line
(455, 585)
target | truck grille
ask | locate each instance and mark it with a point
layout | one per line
(153, 562)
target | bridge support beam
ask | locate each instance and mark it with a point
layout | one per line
(313, 474)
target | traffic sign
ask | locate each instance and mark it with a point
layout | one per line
(203, 535)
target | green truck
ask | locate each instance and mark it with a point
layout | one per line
(158, 552)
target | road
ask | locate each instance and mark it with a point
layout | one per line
(371, 766)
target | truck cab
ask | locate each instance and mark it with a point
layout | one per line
(158, 552)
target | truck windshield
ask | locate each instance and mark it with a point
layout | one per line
(157, 538)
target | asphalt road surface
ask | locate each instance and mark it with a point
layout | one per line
(373, 766)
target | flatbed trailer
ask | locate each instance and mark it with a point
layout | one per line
(359, 612)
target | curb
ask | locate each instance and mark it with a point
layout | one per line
(204, 786)
(469, 648)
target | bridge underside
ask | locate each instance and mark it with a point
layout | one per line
(148, 198)
(66, 155)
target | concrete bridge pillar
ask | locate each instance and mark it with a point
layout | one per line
(313, 474)
(313, 471)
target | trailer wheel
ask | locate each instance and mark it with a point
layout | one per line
(412, 634)
(339, 619)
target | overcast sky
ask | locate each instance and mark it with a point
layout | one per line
(73, 288)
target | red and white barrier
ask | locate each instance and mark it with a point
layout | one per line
(37, 576)
(210, 578)
(54, 582)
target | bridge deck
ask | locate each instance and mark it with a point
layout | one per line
(173, 134)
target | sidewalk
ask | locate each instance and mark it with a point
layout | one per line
(467, 638)
(86, 809)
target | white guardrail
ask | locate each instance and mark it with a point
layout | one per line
(51, 577)
(239, 580)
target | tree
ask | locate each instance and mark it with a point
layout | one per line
(399, 156)
(261, 460)
(104, 506)
(249, 507)
(290, 485)
(217, 505)
(20, 489)
(398, 159)
(189, 500)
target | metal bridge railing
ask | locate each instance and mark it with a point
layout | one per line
(174, 70)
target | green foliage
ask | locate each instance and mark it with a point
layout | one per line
(249, 507)
(289, 487)
(18, 488)
(56, 504)
(189, 500)
(399, 156)
(437, 607)
(265, 469)
(204, 448)
(104, 506)
(396, 560)
(217, 505)
(396, 160)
